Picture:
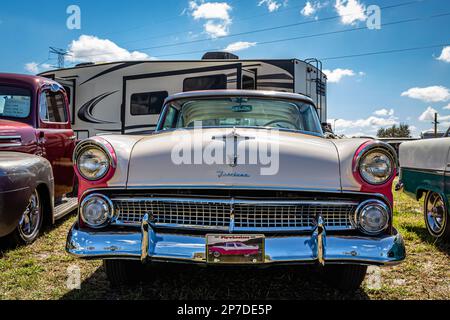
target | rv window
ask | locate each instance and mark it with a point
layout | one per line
(248, 83)
(148, 103)
(215, 82)
(52, 107)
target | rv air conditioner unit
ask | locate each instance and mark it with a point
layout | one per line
(219, 56)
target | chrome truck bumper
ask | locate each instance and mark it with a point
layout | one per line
(149, 245)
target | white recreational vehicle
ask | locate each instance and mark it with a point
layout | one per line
(127, 97)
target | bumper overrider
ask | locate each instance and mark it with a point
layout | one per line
(149, 245)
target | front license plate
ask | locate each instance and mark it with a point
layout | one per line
(235, 249)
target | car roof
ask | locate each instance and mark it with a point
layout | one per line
(29, 80)
(235, 93)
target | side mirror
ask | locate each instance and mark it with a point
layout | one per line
(327, 128)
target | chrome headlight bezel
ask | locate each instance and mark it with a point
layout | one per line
(383, 149)
(106, 220)
(384, 208)
(85, 147)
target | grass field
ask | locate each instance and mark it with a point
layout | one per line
(40, 271)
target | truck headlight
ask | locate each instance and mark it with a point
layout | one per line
(96, 210)
(93, 163)
(377, 166)
(372, 217)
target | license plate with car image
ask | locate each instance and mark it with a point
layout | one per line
(235, 249)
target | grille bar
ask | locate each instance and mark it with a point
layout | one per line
(249, 215)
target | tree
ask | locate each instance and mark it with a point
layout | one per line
(401, 131)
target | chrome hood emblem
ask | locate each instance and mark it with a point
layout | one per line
(232, 138)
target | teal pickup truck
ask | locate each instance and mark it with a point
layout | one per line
(425, 172)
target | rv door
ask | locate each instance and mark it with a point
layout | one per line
(249, 79)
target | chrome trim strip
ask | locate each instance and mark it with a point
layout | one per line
(220, 187)
(238, 202)
(10, 138)
(10, 145)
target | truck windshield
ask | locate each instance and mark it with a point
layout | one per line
(15, 102)
(242, 112)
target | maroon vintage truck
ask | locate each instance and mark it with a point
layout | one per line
(36, 147)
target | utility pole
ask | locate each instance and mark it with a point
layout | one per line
(61, 53)
(436, 122)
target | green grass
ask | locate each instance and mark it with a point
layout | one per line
(39, 271)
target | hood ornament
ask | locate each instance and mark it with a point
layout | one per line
(234, 138)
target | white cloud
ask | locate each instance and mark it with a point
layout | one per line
(217, 15)
(445, 55)
(369, 126)
(350, 11)
(92, 49)
(35, 68)
(428, 94)
(309, 9)
(384, 113)
(428, 115)
(240, 45)
(272, 5)
(447, 107)
(335, 76)
(210, 10)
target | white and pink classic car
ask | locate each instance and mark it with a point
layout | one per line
(237, 163)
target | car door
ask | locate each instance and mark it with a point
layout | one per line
(56, 137)
(447, 171)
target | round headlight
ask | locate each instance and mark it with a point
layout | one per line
(96, 210)
(376, 167)
(93, 163)
(373, 217)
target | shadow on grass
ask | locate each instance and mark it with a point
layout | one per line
(423, 234)
(186, 282)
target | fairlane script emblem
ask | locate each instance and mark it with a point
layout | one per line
(223, 174)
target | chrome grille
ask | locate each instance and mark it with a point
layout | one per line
(240, 215)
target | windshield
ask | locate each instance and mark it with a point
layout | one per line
(242, 112)
(15, 102)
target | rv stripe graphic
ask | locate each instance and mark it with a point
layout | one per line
(85, 112)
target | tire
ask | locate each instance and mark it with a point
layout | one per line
(123, 272)
(437, 216)
(30, 225)
(345, 277)
(216, 254)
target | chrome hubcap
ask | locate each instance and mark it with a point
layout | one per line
(31, 219)
(436, 213)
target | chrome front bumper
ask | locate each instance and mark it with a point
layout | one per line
(149, 245)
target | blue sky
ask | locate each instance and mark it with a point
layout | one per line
(365, 93)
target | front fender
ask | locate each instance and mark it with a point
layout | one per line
(20, 175)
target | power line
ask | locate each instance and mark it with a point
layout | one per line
(315, 35)
(384, 52)
(234, 20)
(255, 31)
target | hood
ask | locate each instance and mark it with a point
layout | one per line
(15, 133)
(186, 159)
